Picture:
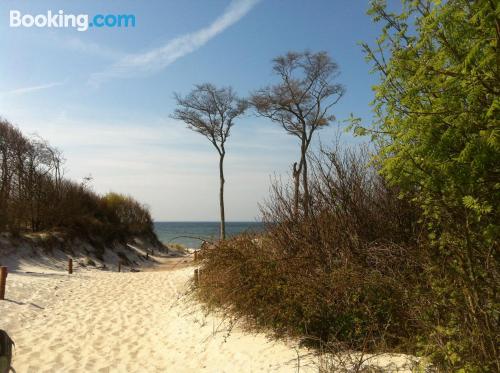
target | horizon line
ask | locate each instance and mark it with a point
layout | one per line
(205, 221)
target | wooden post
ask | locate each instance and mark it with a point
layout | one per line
(3, 282)
(196, 276)
(119, 266)
(70, 266)
(196, 256)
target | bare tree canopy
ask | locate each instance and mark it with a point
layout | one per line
(212, 111)
(301, 102)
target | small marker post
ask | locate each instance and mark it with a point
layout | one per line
(196, 276)
(3, 281)
(70, 266)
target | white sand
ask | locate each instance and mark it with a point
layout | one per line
(95, 321)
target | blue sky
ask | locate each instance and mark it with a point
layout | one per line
(104, 96)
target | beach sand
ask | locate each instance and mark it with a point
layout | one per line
(99, 321)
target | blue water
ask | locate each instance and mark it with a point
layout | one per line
(171, 232)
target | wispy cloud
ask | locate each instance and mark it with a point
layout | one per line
(159, 58)
(27, 90)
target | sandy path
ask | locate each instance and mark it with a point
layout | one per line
(97, 321)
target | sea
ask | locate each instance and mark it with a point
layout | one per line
(191, 234)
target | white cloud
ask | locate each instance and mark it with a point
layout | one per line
(26, 90)
(159, 58)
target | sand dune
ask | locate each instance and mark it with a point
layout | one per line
(96, 321)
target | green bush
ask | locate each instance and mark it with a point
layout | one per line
(437, 122)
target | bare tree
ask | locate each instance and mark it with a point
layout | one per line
(301, 102)
(211, 111)
(35, 196)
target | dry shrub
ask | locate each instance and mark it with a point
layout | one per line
(36, 197)
(342, 274)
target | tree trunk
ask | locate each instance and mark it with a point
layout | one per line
(303, 170)
(305, 185)
(296, 180)
(221, 198)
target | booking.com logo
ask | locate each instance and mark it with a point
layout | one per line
(80, 22)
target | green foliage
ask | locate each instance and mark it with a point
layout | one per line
(437, 108)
